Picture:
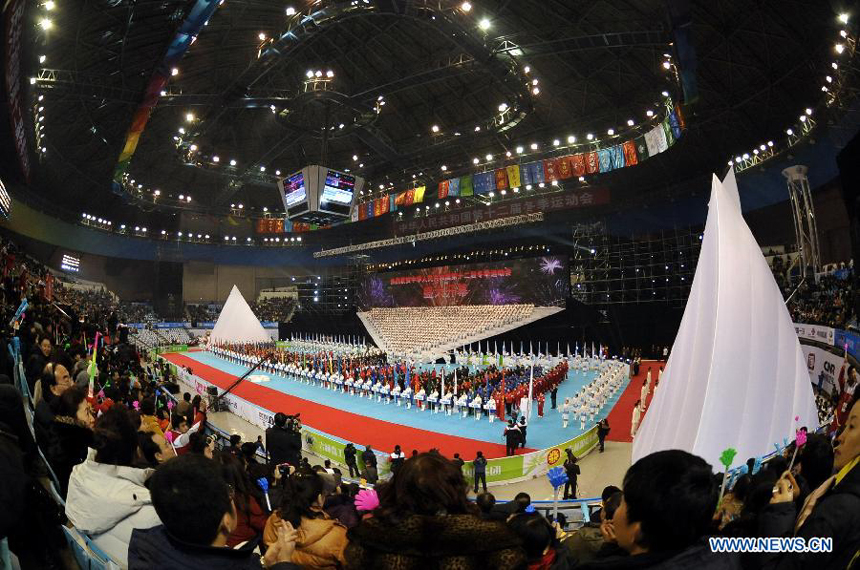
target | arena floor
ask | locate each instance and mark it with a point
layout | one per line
(363, 421)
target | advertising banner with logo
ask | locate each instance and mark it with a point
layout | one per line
(823, 367)
(848, 341)
(816, 333)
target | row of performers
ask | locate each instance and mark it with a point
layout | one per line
(490, 390)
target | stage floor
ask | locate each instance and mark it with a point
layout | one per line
(363, 421)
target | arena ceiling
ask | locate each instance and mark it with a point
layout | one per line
(242, 83)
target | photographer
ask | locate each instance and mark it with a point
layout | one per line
(284, 440)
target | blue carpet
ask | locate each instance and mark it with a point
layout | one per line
(543, 432)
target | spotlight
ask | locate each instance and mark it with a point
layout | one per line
(808, 111)
(465, 6)
(610, 132)
(291, 11)
(589, 136)
(193, 147)
(649, 113)
(534, 146)
(630, 122)
(49, 5)
(843, 17)
(556, 142)
(838, 47)
(46, 24)
(571, 139)
(329, 73)
(475, 160)
(489, 157)
(528, 186)
(789, 132)
(435, 128)
(262, 36)
(309, 74)
(484, 24)
(232, 162)
(667, 65)
(444, 168)
(174, 72)
(262, 169)
(317, 73)
(519, 150)
(42, 59)
(536, 91)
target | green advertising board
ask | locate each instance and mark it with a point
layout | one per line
(172, 348)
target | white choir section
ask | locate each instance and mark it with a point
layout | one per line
(237, 322)
(433, 331)
(736, 376)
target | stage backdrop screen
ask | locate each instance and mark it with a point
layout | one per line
(541, 281)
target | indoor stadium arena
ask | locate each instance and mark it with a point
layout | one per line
(429, 284)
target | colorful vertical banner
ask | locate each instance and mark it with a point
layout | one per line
(418, 195)
(484, 182)
(466, 188)
(630, 157)
(604, 160)
(501, 179)
(188, 30)
(443, 189)
(454, 187)
(617, 156)
(592, 163)
(513, 175)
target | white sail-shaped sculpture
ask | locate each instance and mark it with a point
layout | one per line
(237, 322)
(736, 376)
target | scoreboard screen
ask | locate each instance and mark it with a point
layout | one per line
(319, 195)
(337, 192)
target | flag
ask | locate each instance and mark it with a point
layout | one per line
(381, 206)
(564, 167)
(531, 391)
(655, 140)
(93, 369)
(370, 208)
(400, 200)
(513, 175)
(629, 149)
(604, 160)
(592, 164)
(362, 211)
(392, 202)
(675, 123)
(616, 154)
(455, 381)
(466, 185)
(418, 195)
(550, 167)
(577, 162)
(642, 148)
(454, 187)
(501, 179)
(484, 182)
(669, 133)
(443, 189)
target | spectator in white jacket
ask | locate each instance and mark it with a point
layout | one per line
(107, 498)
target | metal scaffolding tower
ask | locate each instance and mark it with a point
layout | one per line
(803, 211)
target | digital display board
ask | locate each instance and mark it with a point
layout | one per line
(70, 263)
(294, 189)
(541, 281)
(319, 195)
(337, 192)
